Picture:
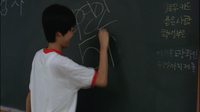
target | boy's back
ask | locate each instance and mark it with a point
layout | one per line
(51, 76)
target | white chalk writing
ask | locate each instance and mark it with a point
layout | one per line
(172, 33)
(179, 53)
(183, 20)
(175, 7)
(177, 65)
(172, 20)
(93, 14)
(4, 6)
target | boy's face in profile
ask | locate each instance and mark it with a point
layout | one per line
(64, 40)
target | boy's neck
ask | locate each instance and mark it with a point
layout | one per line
(55, 46)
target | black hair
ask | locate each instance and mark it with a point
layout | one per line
(57, 18)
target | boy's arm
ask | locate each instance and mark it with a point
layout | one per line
(101, 80)
(28, 102)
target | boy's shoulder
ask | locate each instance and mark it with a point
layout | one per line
(54, 57)
(38, 52)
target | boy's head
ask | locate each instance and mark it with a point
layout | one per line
(57, 20)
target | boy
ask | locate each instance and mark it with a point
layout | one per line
(55, 79)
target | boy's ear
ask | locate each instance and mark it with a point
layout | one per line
(58, 34)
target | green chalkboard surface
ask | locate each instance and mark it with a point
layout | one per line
(153, 52)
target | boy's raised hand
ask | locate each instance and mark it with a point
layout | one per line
(103, 38)
(102, 77)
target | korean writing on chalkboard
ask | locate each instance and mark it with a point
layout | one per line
(4, 8)
(15, 3)
(179, 53)
(182, 54)
(93, 14)
(172, 20)
(174, 7)
(175, 33)
(177, 66)
(183, 20)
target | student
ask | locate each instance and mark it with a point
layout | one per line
(55, 79)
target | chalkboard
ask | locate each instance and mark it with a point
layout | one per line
(153, 52)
